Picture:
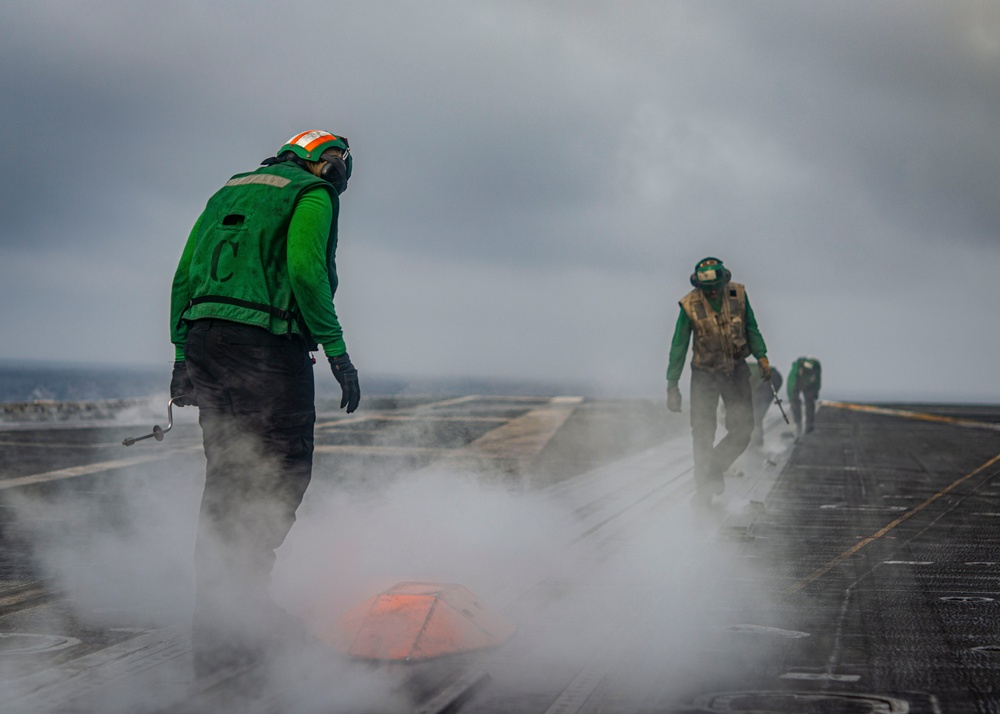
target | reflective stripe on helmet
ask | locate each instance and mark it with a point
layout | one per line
(309, 140)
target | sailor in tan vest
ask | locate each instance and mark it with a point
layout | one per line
(718, 314)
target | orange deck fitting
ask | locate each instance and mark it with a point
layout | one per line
(416, 621)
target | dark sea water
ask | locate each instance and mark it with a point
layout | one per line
(26, 382)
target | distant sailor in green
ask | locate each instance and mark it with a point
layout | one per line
(718, 314)
(804, 382)
(252, 296)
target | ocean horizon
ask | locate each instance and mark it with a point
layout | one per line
(23, 381)
(26, 381)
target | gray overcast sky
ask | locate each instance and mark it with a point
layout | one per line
(534, 181)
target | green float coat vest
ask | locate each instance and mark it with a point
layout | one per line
(720, 338)
(239, 267)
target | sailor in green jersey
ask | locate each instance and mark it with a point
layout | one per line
(717, 314)
(804, 382)
(252, 296)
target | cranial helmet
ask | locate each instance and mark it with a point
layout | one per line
(312, 145)
(710, 274)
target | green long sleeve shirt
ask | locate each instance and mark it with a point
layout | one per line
(312, 283)
(682, 337)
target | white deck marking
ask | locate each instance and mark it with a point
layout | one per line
(87, 470)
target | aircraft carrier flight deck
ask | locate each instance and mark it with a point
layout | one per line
(853, 570)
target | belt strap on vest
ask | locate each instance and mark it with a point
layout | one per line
(277, 312)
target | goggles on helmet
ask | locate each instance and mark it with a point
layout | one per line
(336, 153)
(709, 273)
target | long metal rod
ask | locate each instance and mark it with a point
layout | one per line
(778, 400)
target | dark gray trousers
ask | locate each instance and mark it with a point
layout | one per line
(711, 459)
(809, 397)
(256, 404)
(763, 398)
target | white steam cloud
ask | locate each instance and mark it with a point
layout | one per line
(122, 556)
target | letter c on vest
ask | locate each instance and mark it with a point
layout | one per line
(215, 260)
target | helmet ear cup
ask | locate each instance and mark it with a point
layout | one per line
(334, 172)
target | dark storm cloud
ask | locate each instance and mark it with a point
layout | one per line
(89, 131)
(54, 133)
(506, 122)
(893, 100)
(796, 126)
(527, 173)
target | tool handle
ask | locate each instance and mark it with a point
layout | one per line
(158, 431)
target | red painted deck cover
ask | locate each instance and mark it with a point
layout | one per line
(414, 621)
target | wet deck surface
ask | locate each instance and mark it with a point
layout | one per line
(857, 570)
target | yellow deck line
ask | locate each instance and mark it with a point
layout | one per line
(906, 414)
(820, 572)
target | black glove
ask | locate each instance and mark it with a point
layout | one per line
(347, 377)
(181, 387)
(673, 397)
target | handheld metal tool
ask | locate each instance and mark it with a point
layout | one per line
(158, 432)
(778, 400)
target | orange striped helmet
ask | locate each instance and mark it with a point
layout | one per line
(310, 145)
